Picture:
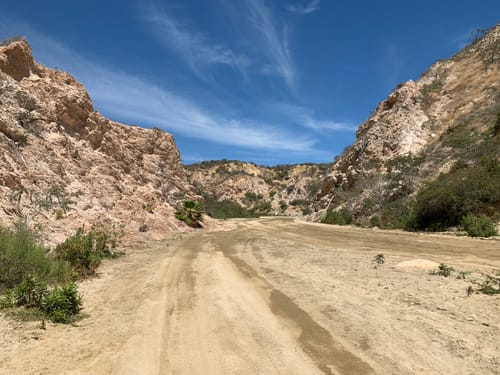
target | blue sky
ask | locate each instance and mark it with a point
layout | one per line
(257, 80)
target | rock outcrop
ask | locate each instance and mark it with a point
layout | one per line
(64, 165)
(418, 128)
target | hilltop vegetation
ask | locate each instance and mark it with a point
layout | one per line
(238, 189)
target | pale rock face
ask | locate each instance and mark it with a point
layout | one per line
(414, 116)
(51, 137)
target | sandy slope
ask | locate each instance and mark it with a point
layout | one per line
(274, 296)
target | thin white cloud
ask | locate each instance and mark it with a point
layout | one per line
(310, 7)
(197, 50)
(275, 42)
(128, 98)
(316, 124)
(305, 118)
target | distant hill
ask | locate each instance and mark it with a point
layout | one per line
(239, 189)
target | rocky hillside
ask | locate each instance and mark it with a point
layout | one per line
(435, 126)
(64, 165)
(251, 190)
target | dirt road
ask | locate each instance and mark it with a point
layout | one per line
(275, 296)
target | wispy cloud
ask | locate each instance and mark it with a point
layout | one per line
(275, 42)
(196, 49)
(305, 118)
(128, 98)
(310, 7)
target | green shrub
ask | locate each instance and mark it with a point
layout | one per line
(107, 237)
(80, 252)
(306, 211)
(444, 202)
(250, 197)
(61, 304)
(191, 213)
(343, 217)
(225, 209)
(30, 292)
(489, 287)
(479, 226)
(443, 270)
(395, 214)
(22, 255)
(261, 207)
(375, 221)
(299, 202)
(84, 252)
(8, 299)
(283, 205)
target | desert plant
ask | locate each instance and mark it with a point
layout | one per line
(306, 211)
(283, 205)
(107, 237)
(78, 250)
(30, 292)
(224, 209)
(37, 301)
(299, 202)
(62, 304)
(479, 226)
(343, 217)
(379, 259)
(148, 207)
(85, 251)
(8, 299)
(488, 287)
(444, 202)
(191, 213)
(261, 207)
(22, 255)
(443, 270)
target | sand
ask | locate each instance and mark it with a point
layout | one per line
(276, 296)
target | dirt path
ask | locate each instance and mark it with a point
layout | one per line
(275, 296)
